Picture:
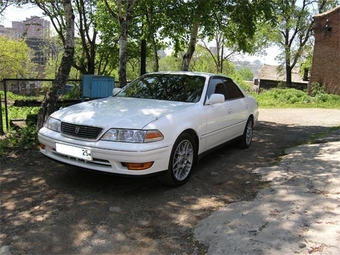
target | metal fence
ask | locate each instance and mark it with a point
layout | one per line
(23, 87)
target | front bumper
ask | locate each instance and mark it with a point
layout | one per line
(107, 159)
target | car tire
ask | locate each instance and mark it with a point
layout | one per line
(247, 137)
(182, 161)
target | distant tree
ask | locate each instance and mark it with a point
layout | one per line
(204, 61)
(15, 59)
(219, 53)
(170, 63)
(245, 73)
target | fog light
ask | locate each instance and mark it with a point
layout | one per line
(138, 166)
(42, 146)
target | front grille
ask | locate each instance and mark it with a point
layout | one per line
(80, 131)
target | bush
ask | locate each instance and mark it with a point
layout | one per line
(317, 89)
(19, 139)
(296, 98)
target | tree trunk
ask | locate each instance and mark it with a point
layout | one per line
(191, 49)
(143, 57)
(123, 54)
(288, 68)
(124, 21)
(288, 76)
(49, 104)
(155, 55)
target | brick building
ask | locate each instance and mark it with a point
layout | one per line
(326, 59)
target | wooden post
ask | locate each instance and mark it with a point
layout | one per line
(1, 127)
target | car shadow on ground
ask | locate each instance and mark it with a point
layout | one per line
(51, 208)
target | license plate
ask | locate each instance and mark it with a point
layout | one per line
(73, 151)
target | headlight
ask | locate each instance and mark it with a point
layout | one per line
(132, 135)
(53, 124)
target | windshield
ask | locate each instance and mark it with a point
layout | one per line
(171, 87)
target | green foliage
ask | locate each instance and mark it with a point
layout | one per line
(15, 113)
(317, 89)
(15, 59)
(296, 98)
(245, 73)
(170, 63)
(75, 93)
(11, 96)
(24, 138)
(293, 31)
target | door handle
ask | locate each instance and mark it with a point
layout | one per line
(230, 111)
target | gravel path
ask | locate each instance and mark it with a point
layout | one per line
(302, 117)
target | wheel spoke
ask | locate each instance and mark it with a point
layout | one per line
(183, 160)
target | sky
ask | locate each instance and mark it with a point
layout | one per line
(20, 14)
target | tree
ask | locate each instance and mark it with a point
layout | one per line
(49, 104)
(219, 54)
(3, 5)
(294, 29)
(245, 73)
(86, 30)
(122, 11)
(200, 19)
(204, 61)
(15, 59)
(151, 24)
(143, 39)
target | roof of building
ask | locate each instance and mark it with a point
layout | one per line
(328, 12)
(274, 73)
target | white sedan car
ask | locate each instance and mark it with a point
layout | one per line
(160, 123)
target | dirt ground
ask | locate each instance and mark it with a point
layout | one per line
(50, 208)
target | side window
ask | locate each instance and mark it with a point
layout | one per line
(220, 89)
(212, 86)
(233, 91)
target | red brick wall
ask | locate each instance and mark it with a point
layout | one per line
(326, 59)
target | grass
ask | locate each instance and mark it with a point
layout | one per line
(293, 98)
(313, 138)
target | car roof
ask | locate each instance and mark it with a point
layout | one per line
(206, 74)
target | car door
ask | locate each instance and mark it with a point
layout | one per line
(236, 108)
(218, 119)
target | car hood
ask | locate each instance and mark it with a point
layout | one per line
(118, 112)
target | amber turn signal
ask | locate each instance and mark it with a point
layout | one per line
(42, 146)
(138, 166)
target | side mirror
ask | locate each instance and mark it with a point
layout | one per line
(115, 91)
(216, 99)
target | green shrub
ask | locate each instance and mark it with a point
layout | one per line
(19, 139)
(75, 93)
(317, 89)
(289, 97)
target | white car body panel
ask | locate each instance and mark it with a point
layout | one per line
(213, 125)
(125, 112)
